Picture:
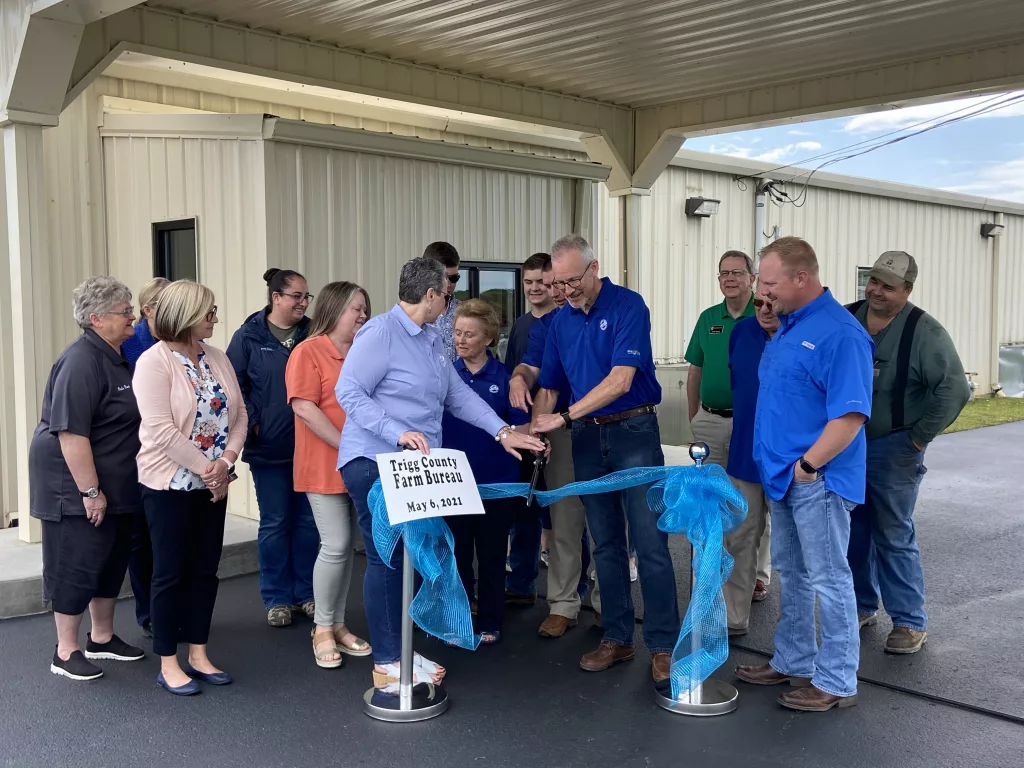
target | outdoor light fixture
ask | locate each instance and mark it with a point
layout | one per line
(987, 230)
(702, 206)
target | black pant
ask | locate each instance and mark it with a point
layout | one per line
(488, 535)
(82, 561)
(140, 567)
(187, 531)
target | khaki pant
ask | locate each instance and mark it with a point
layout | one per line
(567, 522)
(716, 431)
(742, 545)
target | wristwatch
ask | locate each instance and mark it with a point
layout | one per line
(805, 465)
(91, 493)
(566, 418)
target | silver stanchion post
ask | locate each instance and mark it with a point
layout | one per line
(710, 697)
(409, 710)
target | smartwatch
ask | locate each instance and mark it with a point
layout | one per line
(805, 465)
(231, 464)
(566, 418)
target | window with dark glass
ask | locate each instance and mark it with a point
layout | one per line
(501, 286)
(175, 250)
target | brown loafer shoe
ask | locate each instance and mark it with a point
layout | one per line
(760, 592)
(556, 626)
(766, 675)
(811, 699)
(606, 655)
(661, 664)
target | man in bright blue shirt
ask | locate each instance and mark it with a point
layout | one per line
(746, 344)
(600, 348)
(813, 400)
(569, 550)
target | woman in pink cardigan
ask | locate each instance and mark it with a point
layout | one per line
(193, 426)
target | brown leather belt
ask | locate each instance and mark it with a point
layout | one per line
(612, 418)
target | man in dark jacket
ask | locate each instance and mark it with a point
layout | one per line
(919, 390)
(288, 539)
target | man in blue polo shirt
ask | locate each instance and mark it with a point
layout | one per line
(600, 347)
(746, 345)
(809, 445)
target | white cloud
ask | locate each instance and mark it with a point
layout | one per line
(898, 119)
(1004, 181)
(774, 155)
(731, 150)
(795, 132)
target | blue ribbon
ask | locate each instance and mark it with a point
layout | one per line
(699, 502)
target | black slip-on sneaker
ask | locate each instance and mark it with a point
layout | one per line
(114, 649)
(77, 667)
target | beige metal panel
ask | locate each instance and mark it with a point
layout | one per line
(634, 53)
(607, 241)
(221, 183)
(1011, 281)
(338, 215)
(850, 230)
(679, 254)
(13, 14)
(8, 433)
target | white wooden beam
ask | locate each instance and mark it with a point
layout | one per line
(25, 182)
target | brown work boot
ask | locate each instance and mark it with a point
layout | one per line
(661, 664)
(905, 640)
(556, 626)
(766, 675)
(607, 653)
(811, 699)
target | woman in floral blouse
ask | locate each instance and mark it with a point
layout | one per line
(193, 426)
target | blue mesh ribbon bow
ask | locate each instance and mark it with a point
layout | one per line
(697, 501)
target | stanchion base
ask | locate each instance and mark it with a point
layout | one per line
(422, 710)
(717, 698)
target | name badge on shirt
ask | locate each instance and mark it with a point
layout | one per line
(717, 329)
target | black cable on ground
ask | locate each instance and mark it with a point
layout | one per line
(910, 692)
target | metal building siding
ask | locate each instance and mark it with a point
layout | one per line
(221, 183)
(850, 230)
(340, 215)
(679, 262)
(1011, 281)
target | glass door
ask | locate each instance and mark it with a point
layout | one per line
(501, 286)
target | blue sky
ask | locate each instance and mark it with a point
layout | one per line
(983, 155)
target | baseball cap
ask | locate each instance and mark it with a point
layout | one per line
(894, 268)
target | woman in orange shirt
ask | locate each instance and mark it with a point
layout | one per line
(312, 372)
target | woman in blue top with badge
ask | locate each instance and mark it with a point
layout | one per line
(476, 329)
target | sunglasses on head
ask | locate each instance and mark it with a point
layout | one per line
(454, 278)
(762, 302)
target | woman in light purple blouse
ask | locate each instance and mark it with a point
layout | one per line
(395, 386)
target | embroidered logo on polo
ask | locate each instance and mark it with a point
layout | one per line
(493, 389)
(717, 329)
(123, 387)
(603, 324)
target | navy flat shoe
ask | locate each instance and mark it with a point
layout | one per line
(213, 678)
(191, 688)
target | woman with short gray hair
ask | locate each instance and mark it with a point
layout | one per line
(394, 387)
(83, 483)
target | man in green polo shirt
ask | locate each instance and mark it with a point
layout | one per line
(708, 383)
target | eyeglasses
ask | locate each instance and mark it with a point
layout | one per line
(732, 273)
(762, 302)
(298, 297)
(212, 314)
(129, 312)
(572, 282)
(453, 279)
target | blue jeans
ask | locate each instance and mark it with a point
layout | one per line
(288, 540)
(883, 549)
(810, 533)
(598, 450)
(382, 586)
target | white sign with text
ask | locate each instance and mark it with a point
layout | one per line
(417, 486)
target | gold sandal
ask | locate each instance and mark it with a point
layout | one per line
(321, 656)
(358, 648)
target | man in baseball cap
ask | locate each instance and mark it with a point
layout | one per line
(919, 390)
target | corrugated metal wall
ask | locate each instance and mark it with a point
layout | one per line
(850, 230)
(221, 183)
(1011, 281)
(679, 254)
(336, 214)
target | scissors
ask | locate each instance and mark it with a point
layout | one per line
(538, 468)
